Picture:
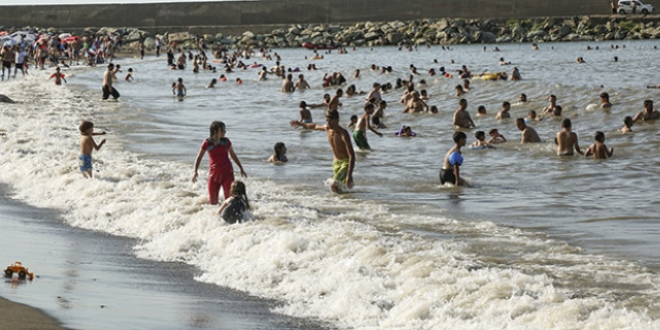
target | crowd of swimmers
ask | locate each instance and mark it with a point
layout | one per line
(221, 153)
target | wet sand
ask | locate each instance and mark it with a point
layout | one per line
(87, 280)
(19, 316)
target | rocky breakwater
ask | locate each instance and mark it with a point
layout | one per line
(416, 32)
(449, 31)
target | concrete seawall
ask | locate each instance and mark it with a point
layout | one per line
(194, 16)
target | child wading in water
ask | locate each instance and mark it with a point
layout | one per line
(233, 207)
(221, 171)
(599, 149)
(280, 154)
(59, 76)
(360, 132)
(87, 145)
(450, 171)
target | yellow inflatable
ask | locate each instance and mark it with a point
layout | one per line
(493, 76)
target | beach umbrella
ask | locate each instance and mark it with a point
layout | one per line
(24, 35)
(70, 39)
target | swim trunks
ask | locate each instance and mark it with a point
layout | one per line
(340, 169)
(179, 94)
(85, 163)
(447, 176)
(307, 121)
(361, 140)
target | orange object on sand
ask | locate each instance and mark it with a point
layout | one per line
(17, 267)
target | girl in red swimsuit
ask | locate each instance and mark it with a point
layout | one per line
(221, 172)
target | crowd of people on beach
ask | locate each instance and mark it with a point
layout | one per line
(412, 100)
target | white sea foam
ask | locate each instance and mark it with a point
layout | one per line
(349, 262)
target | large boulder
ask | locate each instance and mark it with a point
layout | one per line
(394, 38)
(620, 35)
(485, 37)
(372, 35)
(564, 30)
(334, 28)
(536, 34)
(396, 25)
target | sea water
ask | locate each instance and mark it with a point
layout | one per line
(536, 241)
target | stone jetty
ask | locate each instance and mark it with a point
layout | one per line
(443, 31)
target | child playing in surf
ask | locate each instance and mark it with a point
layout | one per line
(450, 171)
(87, 145)
(360, 132)
(129, 75)
(233, 207)
(342, 150)
(59, 76)
(599, 149)
(280, 153)
(221, 172)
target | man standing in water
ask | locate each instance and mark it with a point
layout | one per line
(462, 118)
(287, 84)
(107, 88)
(567, 140)
(342, 149)
(529, 134)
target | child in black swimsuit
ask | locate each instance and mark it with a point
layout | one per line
(233, 207)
